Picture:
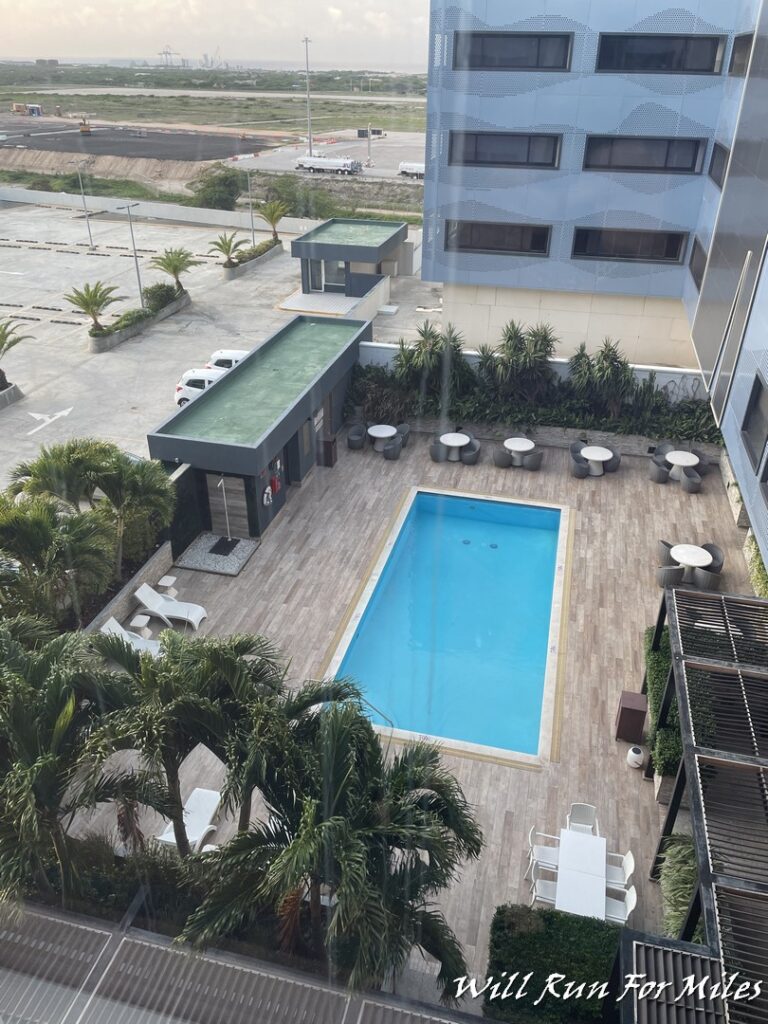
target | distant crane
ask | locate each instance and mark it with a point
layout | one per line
(168, 54)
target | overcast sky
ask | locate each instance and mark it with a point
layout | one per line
(345, 33)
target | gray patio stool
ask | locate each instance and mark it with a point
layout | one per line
(575, 448)
(393, 448)
(438, 452)
(470, 453)
(404, 430)
(663, 548)
(657, 472)
(356, 437)
(690, 480)
(704, 465)
(705, 580)
(718, 558)
(579, 467)
(670, 575)
(532, 460)
(664, 447)
(613, 463)
(502, 458)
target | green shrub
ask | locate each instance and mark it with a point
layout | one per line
(127, 319)
(254, 251)
(758, 576)
(665, 743)
(678, 880)
(547, 941)
(218, 187)
(667, 750)
(158, 296)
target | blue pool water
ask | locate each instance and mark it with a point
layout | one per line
(453, 642)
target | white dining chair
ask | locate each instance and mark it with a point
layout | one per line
(583, 818)
(619, 870)
(543, 854)
(618, 911)
(542, 890)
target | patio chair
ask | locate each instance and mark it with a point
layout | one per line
(532, 460)
(663, 548)
(670, 575)
(200, 809)
(438, 452)
(613, 463)
(583, 818)
(618, 911)
(704, 465)
(465, 430)
(502, 458)
(404, 430)
(619, 870)
(542, 890)
(546, 856)
(716, 565)
(113, 628)
(393, 448)
(168, 608)
(575, 448)
(470, 453)
(579, 467)
(356, 437)
(705, 580)
(664, 447)
(690, 480)
(658, 472)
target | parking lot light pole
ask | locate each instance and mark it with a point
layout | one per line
(306, 40)
(250, 206)
(129, 207)
(85, 205)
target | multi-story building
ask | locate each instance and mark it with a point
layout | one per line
(576, 152)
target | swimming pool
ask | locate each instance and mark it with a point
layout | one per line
(454, 635)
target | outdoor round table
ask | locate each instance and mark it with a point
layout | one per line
(596, 456)
(454, 443)
(517, 446)
(690, 556)
(381, 433)
(678, 461)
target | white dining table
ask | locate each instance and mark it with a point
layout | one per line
(381, 433)
(517, 446)
(690, 556)
(679, 460)
(581, 874)
(454, 441)
(596, 455)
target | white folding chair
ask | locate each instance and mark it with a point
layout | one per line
(619, 870)
(583, 818)
(618, 911)
(542, 890)
(544, 855)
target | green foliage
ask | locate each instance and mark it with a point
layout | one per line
(543, 941)
(667, 751)
(158, 296)
(273, 212)
(227, 246)
(665, 743)
(9, 338)
(175, 262)
(301, 199)
(678, 881)
(128, 319)
(254, 251)
(120, 188)
(218, 187)
(93, 299)
(758, 576)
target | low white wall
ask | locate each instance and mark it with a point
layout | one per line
(369, 305)
(678, 384)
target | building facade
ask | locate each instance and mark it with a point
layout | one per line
(575, 153)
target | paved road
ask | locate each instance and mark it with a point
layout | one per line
(231, 94)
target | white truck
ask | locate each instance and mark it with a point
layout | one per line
(328, 165)
(410, 170)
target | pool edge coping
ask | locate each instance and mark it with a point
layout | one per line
(554, 671)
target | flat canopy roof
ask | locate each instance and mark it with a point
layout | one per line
(366, 241)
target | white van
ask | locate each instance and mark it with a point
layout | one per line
(194, 382)
(226, 358)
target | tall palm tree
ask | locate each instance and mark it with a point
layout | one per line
(9, 337)
(379, 837)
(228, 245)
(68, 471)
(175, 262)
(273, 212)
(93, 299)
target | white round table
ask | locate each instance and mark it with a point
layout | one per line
(454, 443)
(381, 433)
(517, 446)
(596, 456)
(690, 556)
(678, 461)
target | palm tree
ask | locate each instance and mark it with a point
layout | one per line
(9, 337)
(175, 262)
(68, 471)
(613, 379)
(273, 212)
(228, 245)
(93, 299)
(379, 837)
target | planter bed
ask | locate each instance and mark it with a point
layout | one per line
(10, 395)
(111, 339)
(249, 265)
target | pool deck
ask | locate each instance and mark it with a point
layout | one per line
(298, 587)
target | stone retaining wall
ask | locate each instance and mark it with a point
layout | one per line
(10, 395)
(124, 603)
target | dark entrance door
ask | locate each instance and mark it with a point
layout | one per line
(226, 499)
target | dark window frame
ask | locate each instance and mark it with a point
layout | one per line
(510, 163)
(741, 70)
(759, 387)
(684, 235)
(717, 70)
(696, 249)
(497, 252)
(717, 149)
(629, 169)
(460, 33)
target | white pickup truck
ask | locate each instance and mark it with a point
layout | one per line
(328, 165)
(411, 170)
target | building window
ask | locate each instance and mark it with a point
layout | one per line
(754, 429)
(485, 236)
(512, 51)
(742, 47)
(718, 164)
(697, 263)
(676, 156)
(620, 244)
(502, 149)
(660, 53)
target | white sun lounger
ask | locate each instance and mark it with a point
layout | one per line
(113, 628)
(167, 608)
(199, 812)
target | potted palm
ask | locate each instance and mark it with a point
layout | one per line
(228, 246)
(175, 262)
(9, 338)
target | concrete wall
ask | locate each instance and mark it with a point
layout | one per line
(368, 307)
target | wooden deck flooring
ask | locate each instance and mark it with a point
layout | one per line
(297, 588)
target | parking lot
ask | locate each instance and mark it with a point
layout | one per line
(387, 152)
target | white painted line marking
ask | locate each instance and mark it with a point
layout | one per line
(46, 419)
